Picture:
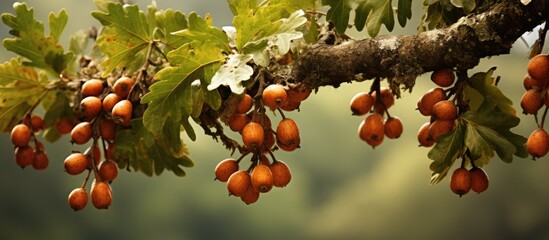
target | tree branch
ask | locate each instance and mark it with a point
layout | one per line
(402, 58)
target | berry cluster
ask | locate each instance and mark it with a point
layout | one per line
(254, 125)
(443, 113)
(435, 104)
(464, 180)
(21, 136)
(535, 97)
(373, 129)
(102, 109)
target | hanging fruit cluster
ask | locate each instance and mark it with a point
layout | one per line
(535, 97)
(21, 136)
(250, 119)
(373, 129)
(103, 108)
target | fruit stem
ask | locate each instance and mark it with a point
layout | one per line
(281, 113)
(86, 180)
(468, 154)
(543, 118)
(94, 167)
(242, 156)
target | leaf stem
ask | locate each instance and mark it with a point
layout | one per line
(543, 118)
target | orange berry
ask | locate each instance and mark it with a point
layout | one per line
(245, 104)
(78, 198)
(460, 183)
(444, 110)
(225, 169)
(91, 106)
(92, 87)
(76, 163)
(440, 127)
(387, 100)
(37, 122)
(253, 135)
(287, 132)
(108, 170)
(530, 83)
(251, 196)
(122, 86)
(538, 143)
(262, 178)
(429, 99)
(24, 156)
(110, 100)
(122, 113)
(101, 194)
(281, 174)
(298, 93)
(107, 129)
(274, 96)
(238, 121)
(531, 101)
(373, 130)
(443, 77)
(82, 133)
(40, 161)
(423, 136)
(238, 183)
(479, 180)
(538, 67)
(20, 135)
(64, 126)
(393, 127)
(361, 103)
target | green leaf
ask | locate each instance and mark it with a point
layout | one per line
(232, 73)
(126, 34)
(485, 84)
(171, 21)
(477, 145)
(361, 14)
(57, 24)
(242, 7)
(20, 88)
(494, 126)
(381, 13)
(200, 30)
(338, 14)
(149, 154)
(31, 42)
(171, 97)
(449, 146)
(256, 27)
(504, 148)
(404, 11)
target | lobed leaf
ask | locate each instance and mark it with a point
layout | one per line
(126, 34)
(232, 73)
(20, 88)
(448, 148)
(339, 13)
(200, 30)
(170, 97)
(171, 21)
(31, 42)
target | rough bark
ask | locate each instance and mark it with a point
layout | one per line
(402, 58)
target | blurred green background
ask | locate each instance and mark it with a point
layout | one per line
(341, 187)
